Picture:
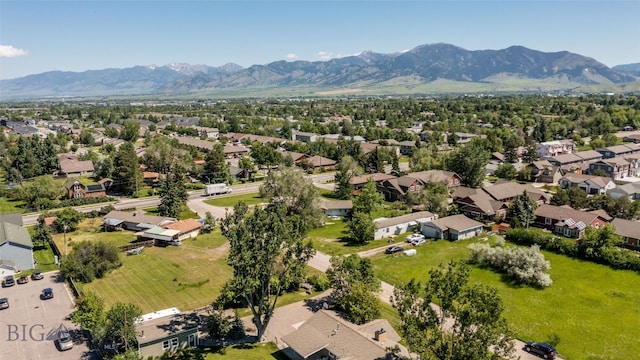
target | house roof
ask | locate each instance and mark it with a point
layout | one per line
(601, 181)
(326, 204)
(566, 158)
(628, 189)
(615, 161)
(588, 154)
(628, 228)
(185, 225)
(507, 189)
(363, 179)
(326, 331)
(201, 144)
(483, 202)
(456, 222)
(618, 149)
(406, 181)
(463, 191)
(564, 213)
(318, 160)
(294, 155)
(74, 166)
(14, 233)
(416, 216)
(137, 217)
(166, 326)
(13, 218)
(434, 176)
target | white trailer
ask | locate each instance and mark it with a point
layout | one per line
(215, 189)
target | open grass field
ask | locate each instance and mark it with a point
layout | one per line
(91, 230)
(590, 309)
(264, 351)
(11, 206)
(230, 201)
(187, 277)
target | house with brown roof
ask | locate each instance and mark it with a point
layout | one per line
(235, 150)
(566, 221)
(187, 229)
(360, 181)
(479, 205)
(77, 189)
(507, 191)
(629, 231)
(328, 336)
(449, 178)
(396, 189)
(316, 162)
(455, 227)
(386, 227)
(75, 168)
(202, 145)
(591, 184)
(542, 171)
(618, 150)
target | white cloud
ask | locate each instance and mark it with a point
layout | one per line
(324, 55)
(10, 51)
(291, 56)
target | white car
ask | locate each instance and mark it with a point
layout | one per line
(418, 242)
(411, 238)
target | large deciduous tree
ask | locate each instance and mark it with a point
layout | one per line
(346, 169)
(267, 254)
(297, 193)
(467, 323)
(354, 284)
(369, 199)
(469, 162)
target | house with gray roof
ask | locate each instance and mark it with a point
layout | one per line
(134, 221)
(568, 222)
(165, 331)
(629, 231)
(336, 207)
(591, 184)
(630, 190)
(386, 227)
(328, 336)
(75, 168)
(455, 227)
(16, 247)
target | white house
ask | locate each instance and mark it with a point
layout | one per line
(386, 227)
(336, 207)
(591, 184)
(456, 227)
(555, 148)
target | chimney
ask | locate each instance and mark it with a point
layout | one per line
(380, 335)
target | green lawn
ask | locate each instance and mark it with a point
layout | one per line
(185, 214)
(230, 201)
(11, 205)
(590, 308)
(187, 277)
(264, 351)
(45, 259)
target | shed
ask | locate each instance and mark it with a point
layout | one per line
(410, 252)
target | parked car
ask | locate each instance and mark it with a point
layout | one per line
(65, 341)
(413, 237)
(418, 242)
(541, 349)
(4, 303)
(393, 249)
(8, 281)
(37, 275)
(23, 279)
(47, 293)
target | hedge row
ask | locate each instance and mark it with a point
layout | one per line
(613, 256)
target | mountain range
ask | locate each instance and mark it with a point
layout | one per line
(433, 68)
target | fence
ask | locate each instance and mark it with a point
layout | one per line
(136, 245)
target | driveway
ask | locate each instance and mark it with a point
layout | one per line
(28, 329)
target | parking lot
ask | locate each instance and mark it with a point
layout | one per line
(28, 328)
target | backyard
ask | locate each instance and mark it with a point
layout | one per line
(589, 311)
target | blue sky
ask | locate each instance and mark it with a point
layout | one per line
(45, 35)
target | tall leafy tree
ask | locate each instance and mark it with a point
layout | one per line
(215, 168)
(347, 271)
(267, 255)
(247, 166)
(434, 197)
(130, 131)
(369, 199)
(121, 324)
(173, 193)
(297, 193)
(375, 161)
(361, 227)
(91, 316)
(126, 171)
(346, 169)
(468, 321)
(469, 162)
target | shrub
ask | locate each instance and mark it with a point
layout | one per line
(90, 260)
(319, 282)
(524, 265)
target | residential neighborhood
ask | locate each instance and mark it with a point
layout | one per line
(332, 218)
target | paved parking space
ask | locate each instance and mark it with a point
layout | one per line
(28, 328)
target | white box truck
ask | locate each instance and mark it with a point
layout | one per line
(215, 189)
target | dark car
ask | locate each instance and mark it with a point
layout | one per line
(542, 349)
(23, 279)
(8, 281)
(37, 275)
(47, 294)
(393, 249)
(4, 303)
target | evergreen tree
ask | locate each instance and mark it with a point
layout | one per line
(215, 167)
(126, 173)
(173, 193)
